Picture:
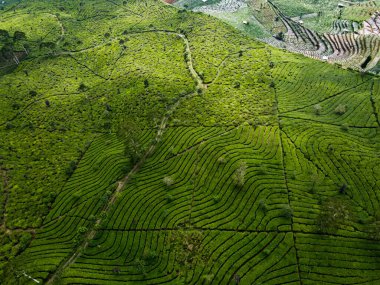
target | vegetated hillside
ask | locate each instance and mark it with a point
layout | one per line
(144, 144)
(343, 32)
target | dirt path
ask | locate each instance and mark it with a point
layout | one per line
(121, 184)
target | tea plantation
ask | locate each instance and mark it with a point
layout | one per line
(142, 143)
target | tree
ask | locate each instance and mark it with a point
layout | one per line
(334, 212)
(82, 87)
(17, 36)
(6, 52)
(280, 36)
(239, 175)
(287, 212)
(168, 181)
(71, 168)
(146, 83)
(130, 132)
(4, 35)
(341, 109)
(317, 109)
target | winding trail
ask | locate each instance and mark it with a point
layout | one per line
(121, 184)
(189, 62)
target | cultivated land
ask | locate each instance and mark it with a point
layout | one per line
(145, 144)
(342, 32)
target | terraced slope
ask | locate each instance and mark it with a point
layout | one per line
(339, 32)
(257, 166)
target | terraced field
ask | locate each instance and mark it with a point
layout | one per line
(342, 32)
(153, 145)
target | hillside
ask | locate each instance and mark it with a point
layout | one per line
(141, 143)
(338, 32)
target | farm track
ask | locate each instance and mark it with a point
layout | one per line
(286, 175)
(121, 184)
(200, 84)
(240, 235)
(223, 62)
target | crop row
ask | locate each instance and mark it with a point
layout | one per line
(77, 206)
(197, 183)
(351, 108)
(337, 260)
(332, 174)
(299, 86)
(193, 257)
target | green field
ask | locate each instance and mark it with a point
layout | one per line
(141, 143)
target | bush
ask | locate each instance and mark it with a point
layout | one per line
(239, 175)
(334, 212)
(216, 199)
(345, 127)
(340, 110)
(150, 257)
(71, 168)
(263, 206)
(169, 198)
(168, 181)
(317, 109)
(287, 212)
(222, 160)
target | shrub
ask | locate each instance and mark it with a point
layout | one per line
(216, 199)
(222, 160)
(345, 127)
(81, 230)
(341, 109)
(287, 212)
(71, 168)
(317, 109)
(239, 175)
(82, 87)
(150, 256)
(169, 198)
(263, 206)
(334, 212)
(168, 181)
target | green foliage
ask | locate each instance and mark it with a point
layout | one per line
(168, 181)
(239, 175)
(340, 109)
(112, 67)
(71, 168)
(129, 132)
(334, 213)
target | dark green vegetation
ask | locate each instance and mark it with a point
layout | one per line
(142, 144)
